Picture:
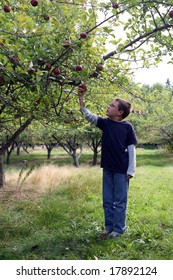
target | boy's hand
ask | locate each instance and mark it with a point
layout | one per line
(81, 92)
(82, 89)
(129, 176)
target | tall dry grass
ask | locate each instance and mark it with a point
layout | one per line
(40, 180)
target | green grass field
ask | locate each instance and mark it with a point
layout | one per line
(56, 213)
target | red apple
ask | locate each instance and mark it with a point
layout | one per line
(7, 8)
(170, 13)
(78, 68)
(48, 66)
(66, 44)
(56, 71)
(34, 3)
(115, 5)
(67, 122)
(46, 17)
(83, 35)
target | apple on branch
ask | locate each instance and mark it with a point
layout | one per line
(7, 8)
(46, 17)
(170, 13)
(78, 68)
(48, 67)
(34, 3)
(83, 35)
(115, 5)
(56, 71)
(67, 43)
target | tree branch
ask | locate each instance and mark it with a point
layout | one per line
(130, 44)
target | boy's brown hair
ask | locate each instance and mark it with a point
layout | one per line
(125, 106)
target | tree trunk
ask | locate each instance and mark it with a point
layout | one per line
(9, 151)
(95, 157)
(8, 144)
(49, 148)
(18, 151)
(75, 158)
(49, 153)
(2, 176)
(18, 145)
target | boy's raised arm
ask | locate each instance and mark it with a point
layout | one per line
(88, 115)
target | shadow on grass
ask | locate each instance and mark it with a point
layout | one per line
(82, 245)
(60, 159)
(54, 247)
(155, 158)
(88, 247)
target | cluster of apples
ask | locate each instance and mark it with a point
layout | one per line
(71, 117)
(66, 44)
(56, 71)
(7, 8)
(68, 121)
(34, 3)
(42, 63)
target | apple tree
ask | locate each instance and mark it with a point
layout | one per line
(48, 47)
(45, 52)
(156, 117)
(93, 140)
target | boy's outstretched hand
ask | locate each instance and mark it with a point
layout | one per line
(82, 88)
(81, 92)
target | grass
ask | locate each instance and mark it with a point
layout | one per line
(57, 212)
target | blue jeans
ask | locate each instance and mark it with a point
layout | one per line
(115, 194)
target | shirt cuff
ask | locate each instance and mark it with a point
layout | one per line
(132, 160)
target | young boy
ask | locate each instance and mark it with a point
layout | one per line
(118, 160)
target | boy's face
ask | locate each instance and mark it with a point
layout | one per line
(113, 110)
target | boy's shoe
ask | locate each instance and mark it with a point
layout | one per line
(105, 234)
(114, 234)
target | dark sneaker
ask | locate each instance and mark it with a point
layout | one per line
(105, 234)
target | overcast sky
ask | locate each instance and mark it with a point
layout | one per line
(155, 75)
